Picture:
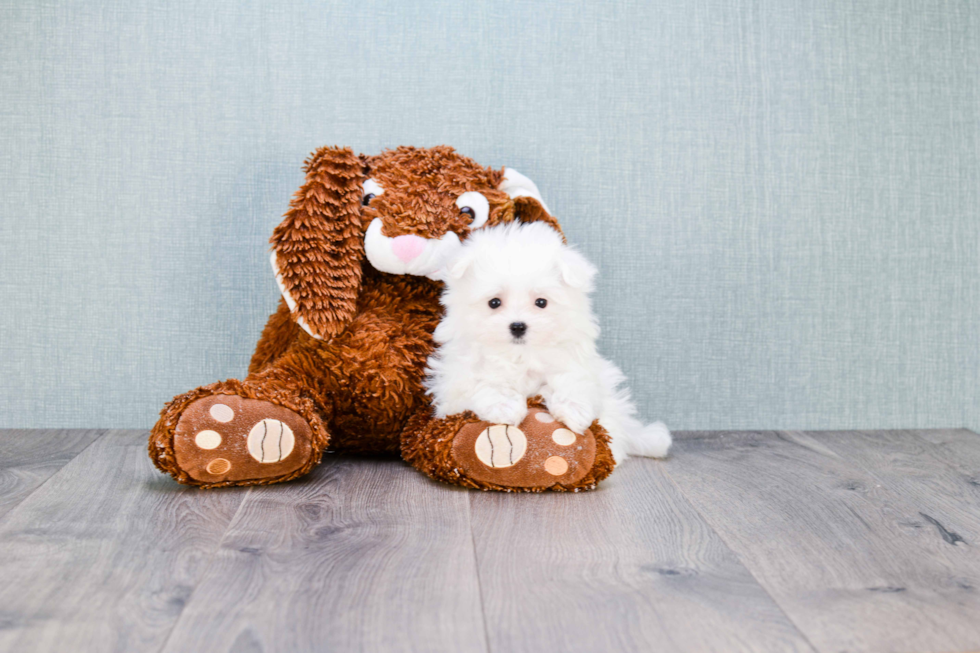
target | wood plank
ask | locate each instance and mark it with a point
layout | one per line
(947, 498)
(958, 448)
(364, 555)
(628, 567)
(104, 555)
(28, 458)
(844, 555)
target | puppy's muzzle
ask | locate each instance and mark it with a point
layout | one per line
(518, 329)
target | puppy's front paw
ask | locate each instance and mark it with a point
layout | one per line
(504, 412)
(576, 415)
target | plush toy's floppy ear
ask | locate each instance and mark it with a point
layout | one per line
(319, 245)
(528, 204)
(576, 270)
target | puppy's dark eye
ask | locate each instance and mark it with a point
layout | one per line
(540, 302)
(367, 199)
(494, 303)
(468, 212)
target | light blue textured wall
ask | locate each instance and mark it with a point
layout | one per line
(784, 197)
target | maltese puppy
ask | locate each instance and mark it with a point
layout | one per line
(519, 323)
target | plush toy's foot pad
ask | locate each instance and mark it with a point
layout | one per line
(224, 438)
(540, 453)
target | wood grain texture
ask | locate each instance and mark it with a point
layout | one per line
(946, 495)
(363, 555)
(788, 541)
(28, 458)
(104, 555)
(846, 556)
(629, 567)
(958, 448)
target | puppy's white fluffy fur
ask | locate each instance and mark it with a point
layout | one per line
(481, 366)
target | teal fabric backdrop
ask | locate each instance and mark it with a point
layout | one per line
(782, 195)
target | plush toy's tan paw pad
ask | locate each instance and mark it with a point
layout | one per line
(500, 446)
(230, 438)
(540, 452)
(270, 441)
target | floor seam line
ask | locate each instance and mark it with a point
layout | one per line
(742, 562)
(476, 569)
(105, 432)
(204, 572)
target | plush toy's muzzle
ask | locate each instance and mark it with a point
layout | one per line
(408, 254)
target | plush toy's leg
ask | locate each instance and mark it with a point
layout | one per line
(263, 430)
(539, 454)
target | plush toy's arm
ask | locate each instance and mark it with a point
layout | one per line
(319, 246)
(278, 333)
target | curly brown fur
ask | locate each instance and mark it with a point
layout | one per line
(319, 244)
(278, 333)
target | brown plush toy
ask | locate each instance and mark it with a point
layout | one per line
(340, 364)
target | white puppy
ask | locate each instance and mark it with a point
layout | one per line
(519, 323)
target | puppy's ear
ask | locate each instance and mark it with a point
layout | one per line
(528, 203)
(458, 265)
(319, 246)
(576, 270)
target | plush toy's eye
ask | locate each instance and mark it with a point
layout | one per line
(540, 302)
(475, 206)
(494, 303)
(371, 190)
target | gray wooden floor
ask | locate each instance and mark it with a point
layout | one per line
(768, 541)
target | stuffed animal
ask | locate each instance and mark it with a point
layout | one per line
(340, 365)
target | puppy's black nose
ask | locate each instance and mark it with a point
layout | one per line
(517, 329)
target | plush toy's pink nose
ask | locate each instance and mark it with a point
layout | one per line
(407, 247)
